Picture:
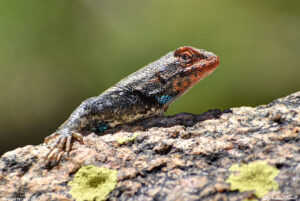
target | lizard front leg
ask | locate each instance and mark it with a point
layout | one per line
(63, 143)
(68, 132)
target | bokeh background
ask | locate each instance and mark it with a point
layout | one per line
(54, 54)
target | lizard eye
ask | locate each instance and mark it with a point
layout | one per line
(185, 57)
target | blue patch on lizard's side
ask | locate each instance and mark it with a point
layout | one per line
(163, 99)
(101, 127)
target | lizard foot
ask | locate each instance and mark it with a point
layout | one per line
(62, 144)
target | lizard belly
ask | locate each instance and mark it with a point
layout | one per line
(129, 118)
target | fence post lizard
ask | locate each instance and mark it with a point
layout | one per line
(143, 94)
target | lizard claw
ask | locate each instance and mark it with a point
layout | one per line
(62, 144)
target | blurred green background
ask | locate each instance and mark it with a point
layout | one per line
(54, 54)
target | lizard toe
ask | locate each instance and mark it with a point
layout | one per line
(78, 137)
(62, 144)
(58, 156)
(69, 144)
(53, 151)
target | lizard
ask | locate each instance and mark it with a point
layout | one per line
(145, 93)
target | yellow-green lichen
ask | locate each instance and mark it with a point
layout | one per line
(93, 183)
(125, 140)
(257, 176)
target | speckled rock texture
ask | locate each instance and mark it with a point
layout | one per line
(184, 157)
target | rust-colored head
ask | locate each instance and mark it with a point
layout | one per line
(196, 64)
(199, 59)
(172, 75)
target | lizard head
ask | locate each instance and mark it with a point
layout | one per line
(192, 65)
(172, 75)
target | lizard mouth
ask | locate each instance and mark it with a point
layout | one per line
(207, 63)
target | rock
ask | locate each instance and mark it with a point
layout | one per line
(182, 157)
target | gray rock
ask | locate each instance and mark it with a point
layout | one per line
(183, 157)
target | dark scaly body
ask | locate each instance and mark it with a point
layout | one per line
(143, 94)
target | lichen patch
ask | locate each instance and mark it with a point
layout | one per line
(93, 183)
(257, 176)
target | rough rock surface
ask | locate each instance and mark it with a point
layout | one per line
(184, 157)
